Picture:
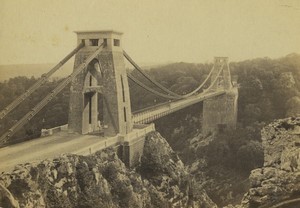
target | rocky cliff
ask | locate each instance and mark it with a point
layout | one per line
(102, 180)
(277, 183)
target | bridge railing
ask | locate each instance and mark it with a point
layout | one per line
(150, 107)
(139, 133)
(102, 144)
(51, 131)
(151, 114)
(116, 140)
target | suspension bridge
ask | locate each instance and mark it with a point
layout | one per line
(99, 72)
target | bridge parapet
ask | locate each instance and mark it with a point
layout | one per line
(130, 146)
(161, 110)
(139, 132)
(133, 145)
(102, 144)
(51, 131)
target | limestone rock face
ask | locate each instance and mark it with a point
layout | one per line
(163, 168)
(278, 181)
(102, 180)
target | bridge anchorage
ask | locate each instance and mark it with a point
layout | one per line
(100, 99)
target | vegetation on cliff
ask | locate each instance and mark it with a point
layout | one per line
(102, 180)
(277, 182)
(269, 89)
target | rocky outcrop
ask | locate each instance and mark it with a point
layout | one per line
(205, 158)
(277, 183)
(163, 168)
(102, 180)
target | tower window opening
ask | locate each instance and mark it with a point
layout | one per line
(116, 42)
(123, 91)
(104, 42)
(90, 109)
(91, 80)
(125, 118)
(94, 42)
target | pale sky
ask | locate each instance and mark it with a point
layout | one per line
(158, 31)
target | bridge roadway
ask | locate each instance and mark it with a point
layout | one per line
(160, 110)
(49, 147)
(62, 142)
(44, 148)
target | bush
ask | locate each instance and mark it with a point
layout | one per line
(250, 156)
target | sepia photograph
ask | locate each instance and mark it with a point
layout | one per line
(149, 104)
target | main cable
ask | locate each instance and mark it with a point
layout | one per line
(49, 97)
(132, 78)
(36, 85)
(167, 91)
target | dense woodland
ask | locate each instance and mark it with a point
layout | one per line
(268, 89)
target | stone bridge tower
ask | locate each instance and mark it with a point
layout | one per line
(220, 112)
(99, 96)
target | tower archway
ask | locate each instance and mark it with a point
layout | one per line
(100, 94)
(91, 94)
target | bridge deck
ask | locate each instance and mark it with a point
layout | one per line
(62, 142)
(44, 148)
(161, 110)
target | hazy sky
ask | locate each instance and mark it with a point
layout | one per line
(41, 31)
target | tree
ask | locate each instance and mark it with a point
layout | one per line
(250, 156)
(252, 113)
(293, 106)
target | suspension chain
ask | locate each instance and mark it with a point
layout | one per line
(49, 97)
(150, 89)
(34, 87)
(162, 87)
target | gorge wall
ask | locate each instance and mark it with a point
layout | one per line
(277, 183)
(102, 180)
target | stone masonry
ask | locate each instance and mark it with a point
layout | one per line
(105, 76)
(220, 112)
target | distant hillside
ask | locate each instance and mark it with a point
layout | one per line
(36, 70)
(29, 70)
